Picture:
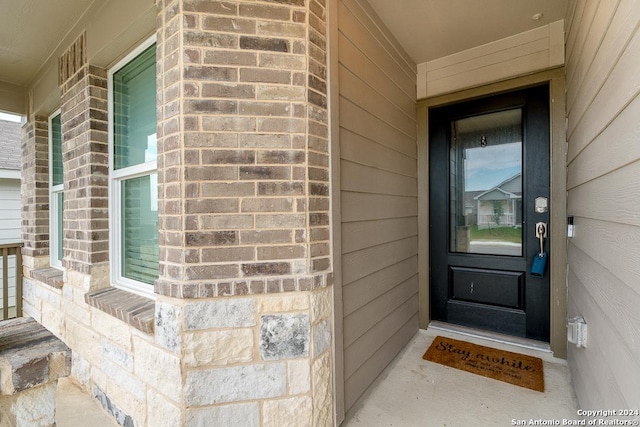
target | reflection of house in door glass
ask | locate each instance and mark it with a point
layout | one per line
(501, 205)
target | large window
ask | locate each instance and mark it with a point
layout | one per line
(56, 194)
(133, 178)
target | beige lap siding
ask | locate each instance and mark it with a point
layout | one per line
(379, 203)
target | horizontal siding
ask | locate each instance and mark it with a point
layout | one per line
(619, 140)
(11, 268)
(603, 83)
(366, 289)
(369, 99)
(609, 367)
(576, 70)
(378, 183)
(9, 230)
(10, 211)
(519, 65)
(354, 59)
(576, 9)
(358, 382)
(366, 207)
(597, 367)
(365, 234)
(619, 308)
(615, 246)
(357, 120)
(358, 149)
(363, 348)
(355, 25)
(366, 179)
(595, 65)
(520, 54)
(358, 323)
(538, 42)
(589, 117)
(612, 196)
(361, 263)
(9, 225)
(579, 41)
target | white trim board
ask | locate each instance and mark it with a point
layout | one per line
(10, 174)
(535, 50)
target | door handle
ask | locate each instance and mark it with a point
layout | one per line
(541, 234)
(539, 264)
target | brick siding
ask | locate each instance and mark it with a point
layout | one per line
(243, 165)
(86, 169)
(35, 187)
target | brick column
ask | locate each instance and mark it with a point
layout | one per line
(245, 280)
(35, 192)
(243, 164)
(85, 162)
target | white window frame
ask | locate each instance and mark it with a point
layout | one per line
(55, 258)
(116, 177)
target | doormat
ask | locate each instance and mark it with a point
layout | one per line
(514, 368)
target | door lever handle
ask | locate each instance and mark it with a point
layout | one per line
(541, 234)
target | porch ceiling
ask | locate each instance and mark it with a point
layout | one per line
(30, 31)
(431, 29)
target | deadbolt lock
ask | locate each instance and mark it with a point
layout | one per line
(541, 205)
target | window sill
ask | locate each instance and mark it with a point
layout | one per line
(50, 276)
(135, 310)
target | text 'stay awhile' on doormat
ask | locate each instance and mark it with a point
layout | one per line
(514, 368)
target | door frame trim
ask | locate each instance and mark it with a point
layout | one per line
(558, 203)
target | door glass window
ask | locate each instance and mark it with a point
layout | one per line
(485, 183)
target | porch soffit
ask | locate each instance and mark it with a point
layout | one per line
(30, 31)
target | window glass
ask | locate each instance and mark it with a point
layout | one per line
(56, 150)
(134, 174)
(485, 181)
(134, 111)
(140, 228)
(56, 188)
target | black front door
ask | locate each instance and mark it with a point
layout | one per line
(489, 187)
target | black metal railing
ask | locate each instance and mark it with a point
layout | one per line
(11, 251)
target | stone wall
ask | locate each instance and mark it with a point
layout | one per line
(246, 361)
(113, 361)
(265, 360)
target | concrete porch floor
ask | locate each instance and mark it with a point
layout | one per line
(413, 392)
(410, 392)
(75, 408)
